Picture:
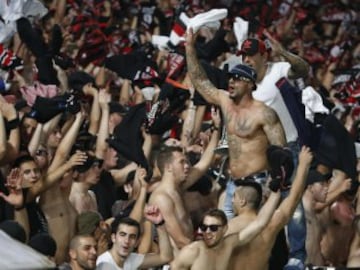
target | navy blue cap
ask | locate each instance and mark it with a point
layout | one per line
(245, 71)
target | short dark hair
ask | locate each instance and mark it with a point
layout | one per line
(252, 192)
(217, 213)
(124, 220)
(165, 156)
(22, 159)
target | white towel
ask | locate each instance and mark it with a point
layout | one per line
(313, 103)
(241, 28)
(210, 19)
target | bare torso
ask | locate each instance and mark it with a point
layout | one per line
(59, 214)
(211, 259)
(246, 138)
(336, 236)
(254, 255)
(181, 214)
(314, 232)
(83, 201)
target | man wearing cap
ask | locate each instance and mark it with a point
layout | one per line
(250, 124)
(270, 74)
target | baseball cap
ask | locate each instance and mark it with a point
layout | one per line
(252, 46)
(315, 177)
(87, 222)
(244, 71)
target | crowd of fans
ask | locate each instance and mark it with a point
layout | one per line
(158, 134)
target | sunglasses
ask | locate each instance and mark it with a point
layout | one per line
(212, 227)
(238, 77)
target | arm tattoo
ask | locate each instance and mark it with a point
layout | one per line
(198, 76)
(273, 127)
(299, 67)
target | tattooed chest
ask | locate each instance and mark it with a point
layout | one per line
(241, 127)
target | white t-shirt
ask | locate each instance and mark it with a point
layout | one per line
(268, 93)
(106, 262)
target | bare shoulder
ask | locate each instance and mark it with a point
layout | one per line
(158, 195)
(269, 115)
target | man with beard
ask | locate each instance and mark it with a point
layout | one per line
(214, 249)
(251, 125)
(83, 253)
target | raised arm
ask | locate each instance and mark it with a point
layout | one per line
(273, 127)
(103, 133)
(186, 257)
(337, 186)
(138, 209)
(56, 175)
(153, 214)
(256, 226)
(13, 143)
(287, 207)
(299, 67)
(66, 143)
(197, 74)
(204, 163)
(2, 137)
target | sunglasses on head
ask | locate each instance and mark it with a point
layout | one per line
(212, 227)
(239, 77)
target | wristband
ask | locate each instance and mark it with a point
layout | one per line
(160, 223)
(12, 124)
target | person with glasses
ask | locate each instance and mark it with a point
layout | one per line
(215, 248)
(251, 125)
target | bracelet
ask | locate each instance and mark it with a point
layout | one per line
(160, 223)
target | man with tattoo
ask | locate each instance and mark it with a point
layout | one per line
(271, 81)
(251, 125)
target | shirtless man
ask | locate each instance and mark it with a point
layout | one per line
(255, 255)
(87, 175)
(214, 251)
(354, 254)
(318, 197)
(316, 192)
(250, 124)
(177, 176)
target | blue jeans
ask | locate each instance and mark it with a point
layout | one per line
(297, 224)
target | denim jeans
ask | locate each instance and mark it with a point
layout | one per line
(297, 225)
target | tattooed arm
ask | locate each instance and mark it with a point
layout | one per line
(299, 67)
(273, 127)
(197, 74)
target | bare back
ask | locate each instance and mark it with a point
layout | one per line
(246, 138)
(254, 255)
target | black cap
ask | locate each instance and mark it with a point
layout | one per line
(244, 71)
(315, 177)
(252, 46)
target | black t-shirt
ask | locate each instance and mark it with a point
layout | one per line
(105, 192)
